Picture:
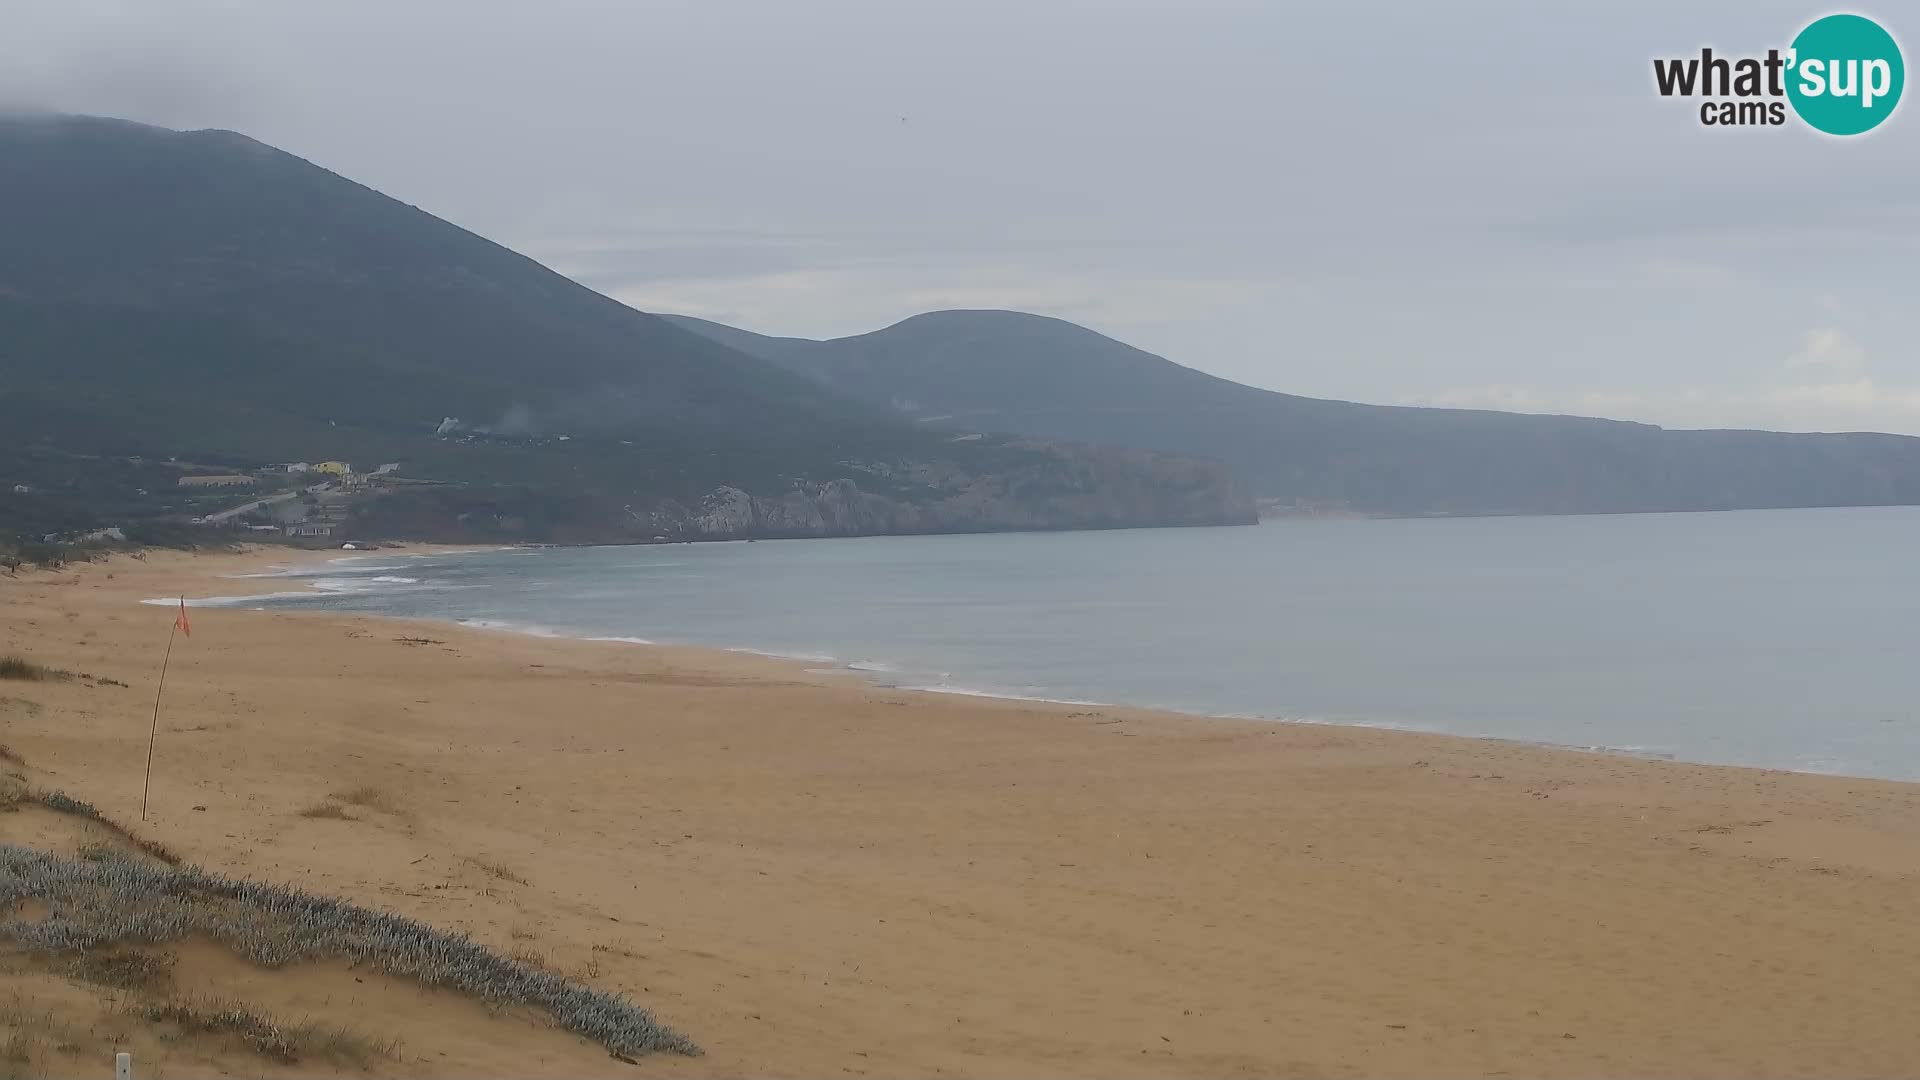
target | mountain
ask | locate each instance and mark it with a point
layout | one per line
(1006, 371)
(206, 297)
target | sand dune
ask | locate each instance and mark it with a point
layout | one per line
(813, 877)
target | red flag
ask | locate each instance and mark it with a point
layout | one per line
(180, 623)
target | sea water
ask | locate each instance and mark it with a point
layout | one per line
(1786, 639)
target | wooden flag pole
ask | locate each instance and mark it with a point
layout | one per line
(147, 785)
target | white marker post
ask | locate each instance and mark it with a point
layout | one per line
(123, 1067)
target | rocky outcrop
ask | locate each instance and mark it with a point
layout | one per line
(1029, 486)
(1044, 486)
(837, 508)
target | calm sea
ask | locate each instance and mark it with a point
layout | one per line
(1775, 638)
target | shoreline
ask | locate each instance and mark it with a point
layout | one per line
(812, 875)
(877, 677)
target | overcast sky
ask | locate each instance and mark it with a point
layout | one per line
(1474, 203)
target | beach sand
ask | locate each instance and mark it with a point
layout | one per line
(811, 876)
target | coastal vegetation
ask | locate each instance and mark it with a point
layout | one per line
(275, 1039)
(111, 913)
(94, 916)
(16, 667)
(116, 902)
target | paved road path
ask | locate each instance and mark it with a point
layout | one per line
(248, 508)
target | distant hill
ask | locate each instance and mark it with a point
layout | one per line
(204, 268)
(1012, 372)
(204, 296)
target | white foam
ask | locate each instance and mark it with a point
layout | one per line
(360, 585)
(873, 666)
(370, 563)
(334, 566)
(625, 640)
(1822, 766)
(529, 629)
(811, 658)
(1637, 751)
(224, 601)
(409, 555)
(967, 691)
(1384, 725)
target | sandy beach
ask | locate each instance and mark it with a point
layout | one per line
(811, 876)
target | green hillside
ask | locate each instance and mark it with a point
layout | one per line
(202, 296)
(1013, 372)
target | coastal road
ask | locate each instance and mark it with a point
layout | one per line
(248, 508)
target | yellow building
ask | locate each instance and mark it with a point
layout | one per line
(333, 468)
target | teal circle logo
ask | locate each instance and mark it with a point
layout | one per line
(1846, 74)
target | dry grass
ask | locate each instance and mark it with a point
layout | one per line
(18, 1049)
(331, 811)
(61, 802)
(368, 796)
(123, 968)
(270, 1038)
(533, 958)
(37, 1029)
(152, 847)
(19, 667)
(498, 870)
